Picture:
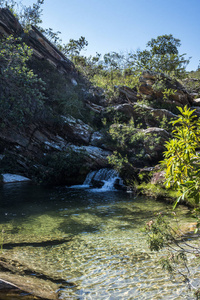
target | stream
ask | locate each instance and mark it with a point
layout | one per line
(103, 253)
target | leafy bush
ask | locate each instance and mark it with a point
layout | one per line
(61, 96)
(182, 161)
(21, 91)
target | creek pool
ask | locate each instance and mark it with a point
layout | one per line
(107, 256)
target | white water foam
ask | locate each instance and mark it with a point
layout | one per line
(107, 177)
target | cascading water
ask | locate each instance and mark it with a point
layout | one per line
(102, 180)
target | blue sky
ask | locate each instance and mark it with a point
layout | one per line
(124, 25)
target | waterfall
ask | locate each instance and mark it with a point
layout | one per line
(102, 180)
(88, 178)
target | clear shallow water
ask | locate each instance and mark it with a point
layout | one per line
(107, 257)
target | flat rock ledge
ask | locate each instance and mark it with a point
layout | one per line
(17, 278)
(9, 178)
(12, 283)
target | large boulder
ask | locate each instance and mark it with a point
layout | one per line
(153, 85)
(149, 146)
(196, 102)
(96, 157)
(76, 130)
(137, 110)
(154, 142)
(127, 93)
(97, 139)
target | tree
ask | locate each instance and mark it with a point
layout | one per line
(27, 15)
(31, 15)
(164, 44)
(10, 4)
(74, 47)
(113, 65)
(162, 56)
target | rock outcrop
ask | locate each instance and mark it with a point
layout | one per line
(42, 47)
(28, 146)
(153, 85)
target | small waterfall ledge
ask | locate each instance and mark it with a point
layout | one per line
(102, 180)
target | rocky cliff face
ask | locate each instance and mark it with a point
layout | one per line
(42, 48)
(151, 105)
(37, 147)
(24, 149)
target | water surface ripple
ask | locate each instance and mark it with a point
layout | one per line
(107, 257)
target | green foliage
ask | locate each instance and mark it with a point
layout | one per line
(181, 157)
(118, 69)
(10, 4)
(131, 145)
(27, 15)
(74, 47)
(156, 191)
(134, 146)
(113, 69)
(62, 98)
(165, 124)
(52, 36)
(117, 161)
(165, 233)
(163, 56)
(164, 44)
(160, 85)
(182, 174)
(88, 66)
(126, 135)
(21, 91)
(167, 93)
(128, 142)
(192, 82)
(31, 15)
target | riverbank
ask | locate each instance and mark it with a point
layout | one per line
(160, 193)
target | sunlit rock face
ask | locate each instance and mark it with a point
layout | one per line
(28, 145)
(42, 47)
(24, 149)
(77, 129)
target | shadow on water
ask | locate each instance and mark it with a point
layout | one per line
(21, 202)
(107, 257)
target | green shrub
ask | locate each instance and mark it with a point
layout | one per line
(62, 97)
(182, 158)
(21, 91)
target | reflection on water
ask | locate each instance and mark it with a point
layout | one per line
(107, 257)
